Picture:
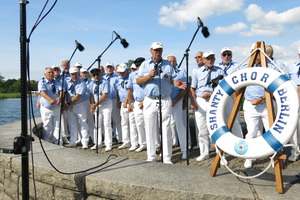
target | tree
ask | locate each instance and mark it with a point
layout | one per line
(1, 79)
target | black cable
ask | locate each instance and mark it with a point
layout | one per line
(31, 107)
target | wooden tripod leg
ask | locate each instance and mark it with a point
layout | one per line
(278, 175)
(216, 164)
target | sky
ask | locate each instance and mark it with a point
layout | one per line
(235, 24)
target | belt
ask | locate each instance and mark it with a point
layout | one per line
(157, 97)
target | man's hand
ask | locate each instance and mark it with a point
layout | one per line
(206, 95)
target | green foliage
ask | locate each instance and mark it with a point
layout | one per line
(10, 95)
(14, 86)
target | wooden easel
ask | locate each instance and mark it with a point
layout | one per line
(278, 160)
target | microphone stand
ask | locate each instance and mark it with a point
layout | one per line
(160, 114)
(63, 95)
(186, 57)
(99, 61)
(99, 57)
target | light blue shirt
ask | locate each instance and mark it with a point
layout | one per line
(77, 87)
(151, 88)
(228, 69)
(98, 91)
(111, 79)
(88, 83)
(121, 86)
(138, 91)
(200, 78)
(255, 91)
(46, 86)
(293, 71)
(181, 75)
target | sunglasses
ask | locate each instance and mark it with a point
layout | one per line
(198, 57)
(226, 54)
(95, 74)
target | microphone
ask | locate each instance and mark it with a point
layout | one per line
(79, 46)
(215, 81)
(204, 30)
(122, 40)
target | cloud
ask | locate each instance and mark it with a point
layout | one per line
(231, 29)
(177, 14)
(270, 23)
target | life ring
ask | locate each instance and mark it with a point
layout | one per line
(285, 93)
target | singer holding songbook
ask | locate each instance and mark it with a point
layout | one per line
(156, 75)
(201, 90)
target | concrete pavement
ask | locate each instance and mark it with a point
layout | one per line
(128, 176)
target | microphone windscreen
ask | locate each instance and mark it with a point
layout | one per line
(124, 43)
(80, 47)
(205, 32)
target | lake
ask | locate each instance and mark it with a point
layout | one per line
(10, 110)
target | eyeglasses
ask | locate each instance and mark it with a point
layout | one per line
(198, 57)
(226, 54)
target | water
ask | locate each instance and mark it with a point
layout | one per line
(10, 110)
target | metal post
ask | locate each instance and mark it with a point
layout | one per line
(24, 128)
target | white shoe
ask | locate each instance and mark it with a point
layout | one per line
(169, 162)
(124, 145)
(223, 160)
(85, 146)
(108, 148)
(132, 148)
(95, 147)
(141, 148)
(202, 157)
(248, 163)
(151, 159)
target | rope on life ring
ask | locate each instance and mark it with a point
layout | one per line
(285, 93)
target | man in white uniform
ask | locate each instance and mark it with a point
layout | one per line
(50, 97)
(156, 75)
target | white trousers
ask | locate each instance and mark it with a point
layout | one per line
(200, 118)
(50, 120)
(103, 120)
(178, 124)
(78, 117)
(116, 119)
(253, 114)
(151, 117)
(90, 120)
(64, 124)
(140, 123)
(129, 131)
(236, 128)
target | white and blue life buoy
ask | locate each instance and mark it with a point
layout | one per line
(285, 94)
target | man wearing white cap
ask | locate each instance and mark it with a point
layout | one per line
(111, 78)
(293, 71)
(201, 90)
(156, 75)
(76, 97)
(90, 117)
(129, 132)
(50, 97)
(228, 65)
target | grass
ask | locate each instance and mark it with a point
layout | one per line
(10, 95)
